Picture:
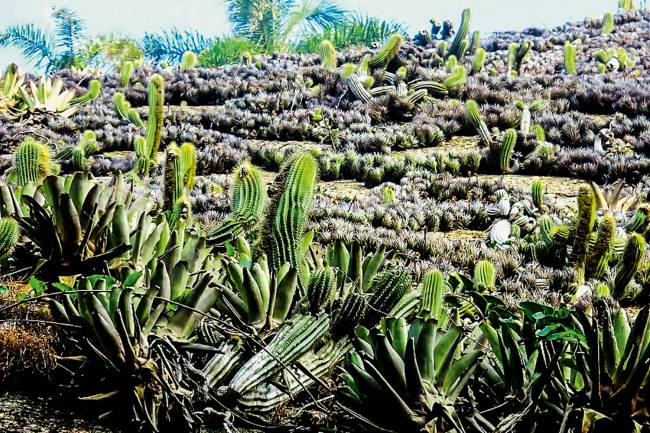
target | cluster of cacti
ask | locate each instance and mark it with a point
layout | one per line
(613, 60)
(517, 54)
(79, 154)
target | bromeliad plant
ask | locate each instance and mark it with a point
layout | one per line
(48, 96)
(409, 378)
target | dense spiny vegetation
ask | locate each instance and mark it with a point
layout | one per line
(200, 267)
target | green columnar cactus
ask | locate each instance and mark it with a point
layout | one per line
(180, 169)
(79, 154)
(94, 87)
(626, 5)
(32, 162)
(640, 221)
(628, 265)
(461, 34)
(146, 148)
(570, 59)
(387, 288)
(475, 118)
(582, 233)
(598, 256)
(432, 288)
(441, 48)
(387, 52)
(123, 108)
(516, 56)
(507, 149)
(479, 60)
(126, 71)
(538, 130)
(290, 209)
(248, 201)
(9, 234)
(608, 23)
(484, 277)
(538, 193)
(451, 63)
(476, 42)
(321, 289)
(189, 61)
(327, 54)
(350, 314)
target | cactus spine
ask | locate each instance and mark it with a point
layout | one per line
(9, 234)
(570, 58)
(321, 290)
(484, 277)
(538, 193)
(608, 23)
(387, 52)
(629, 265)
(327, 54)
(584, 226)
(507, 149)
(32, 162)
(463, 31)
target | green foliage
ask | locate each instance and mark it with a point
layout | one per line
(169, 46)
(409, 378)
(226, 51)
(355, 31)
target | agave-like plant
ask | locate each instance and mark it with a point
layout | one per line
(48, 96)
(409, 378)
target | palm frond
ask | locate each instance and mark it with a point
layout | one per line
(170, 45)
(261, 21)
(226, 51)
(314, 16)
(356, 31)
(69, 32)
(34, 44)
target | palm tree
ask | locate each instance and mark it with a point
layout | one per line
(169, 46)
(274, 24)
(68, 46)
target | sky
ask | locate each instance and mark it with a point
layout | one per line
(135, 17)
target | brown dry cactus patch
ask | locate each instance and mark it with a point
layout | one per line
(26, 348)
